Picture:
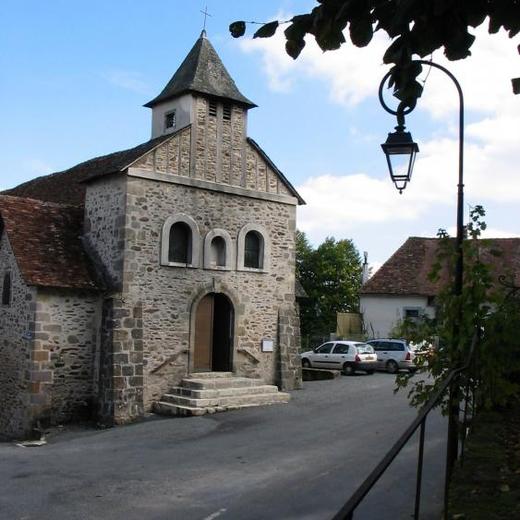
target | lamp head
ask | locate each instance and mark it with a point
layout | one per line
(400, 151)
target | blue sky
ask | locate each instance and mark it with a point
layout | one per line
(75, 75)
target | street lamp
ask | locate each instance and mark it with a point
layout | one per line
(400, 144)
(400, 151)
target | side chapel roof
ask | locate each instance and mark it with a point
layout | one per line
(202, 71)
(406, 271)
(45, 239)
(66, 187)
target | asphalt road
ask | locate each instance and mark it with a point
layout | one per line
(297, 461)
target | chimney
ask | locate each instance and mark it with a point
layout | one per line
(364, 273)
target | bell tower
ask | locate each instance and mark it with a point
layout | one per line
(201, 74)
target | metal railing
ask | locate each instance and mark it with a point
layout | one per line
(451, 383)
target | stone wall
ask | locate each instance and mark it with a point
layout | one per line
(167, 294)
(65, 352)
(15, 349)
(289, 341)
(104, 226)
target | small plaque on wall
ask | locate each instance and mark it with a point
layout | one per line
(267, 345)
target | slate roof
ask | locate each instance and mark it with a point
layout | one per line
(202, 71)
(45, 239)
(406, 271)
(67, 187)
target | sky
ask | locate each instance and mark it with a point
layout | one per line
(75, 74)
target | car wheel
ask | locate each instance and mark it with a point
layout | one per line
(392, 367)
(370, 372)
(348, 369)
(412, 370)
(306, 363)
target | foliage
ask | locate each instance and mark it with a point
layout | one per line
(417, 27)
(489, 308)
(331, 277)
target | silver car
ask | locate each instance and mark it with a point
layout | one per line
(393, 355)
(347, 356)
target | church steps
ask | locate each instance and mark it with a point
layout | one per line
(217, 383)
(180, 391)
(228, 403)
(211, 375)
(217, 393)
(220, 397)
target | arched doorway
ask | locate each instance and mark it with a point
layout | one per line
(213, 334)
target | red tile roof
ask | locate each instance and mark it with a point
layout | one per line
(406, 272)
(45, 239)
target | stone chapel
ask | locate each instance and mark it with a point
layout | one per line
(170, 265)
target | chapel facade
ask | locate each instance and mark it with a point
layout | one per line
(126, 273)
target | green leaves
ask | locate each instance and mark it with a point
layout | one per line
(294, 47)
(331, 277)
(237, 29)
(267, 30)
(417, 27)
(361, 32)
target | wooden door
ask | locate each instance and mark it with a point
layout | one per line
(202, 359)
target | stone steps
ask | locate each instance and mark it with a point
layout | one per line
(213, 392)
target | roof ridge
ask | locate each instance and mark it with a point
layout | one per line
(39, 201)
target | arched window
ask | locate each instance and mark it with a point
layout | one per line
(180, 243)
(252, 250)
(218, 252)
(6, 289)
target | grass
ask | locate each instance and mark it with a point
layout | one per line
(487, 486)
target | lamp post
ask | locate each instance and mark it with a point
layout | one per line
(400, 146)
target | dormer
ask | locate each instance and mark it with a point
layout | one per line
(201, 75)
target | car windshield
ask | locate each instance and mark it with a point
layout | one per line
(363, 348)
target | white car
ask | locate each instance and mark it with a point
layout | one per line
(347, 356)
(394, 355)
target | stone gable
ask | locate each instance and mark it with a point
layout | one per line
(217, 151)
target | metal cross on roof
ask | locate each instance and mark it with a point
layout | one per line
(206, 14)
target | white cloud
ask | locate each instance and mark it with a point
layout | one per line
(127, 80)
(351, 72)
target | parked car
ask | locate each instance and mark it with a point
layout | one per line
(347, 356)
(393, 355)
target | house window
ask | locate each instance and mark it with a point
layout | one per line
(411, 313)
(180, 243)
(253, 250)
(212, 109)
(218, 252)
(170, 120)
(226, 115)
(6, 289)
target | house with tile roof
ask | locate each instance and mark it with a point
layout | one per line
(402, 289)
(160, 270)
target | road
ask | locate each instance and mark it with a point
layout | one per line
(297, 461)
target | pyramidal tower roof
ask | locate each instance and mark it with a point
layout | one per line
(202, 71)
